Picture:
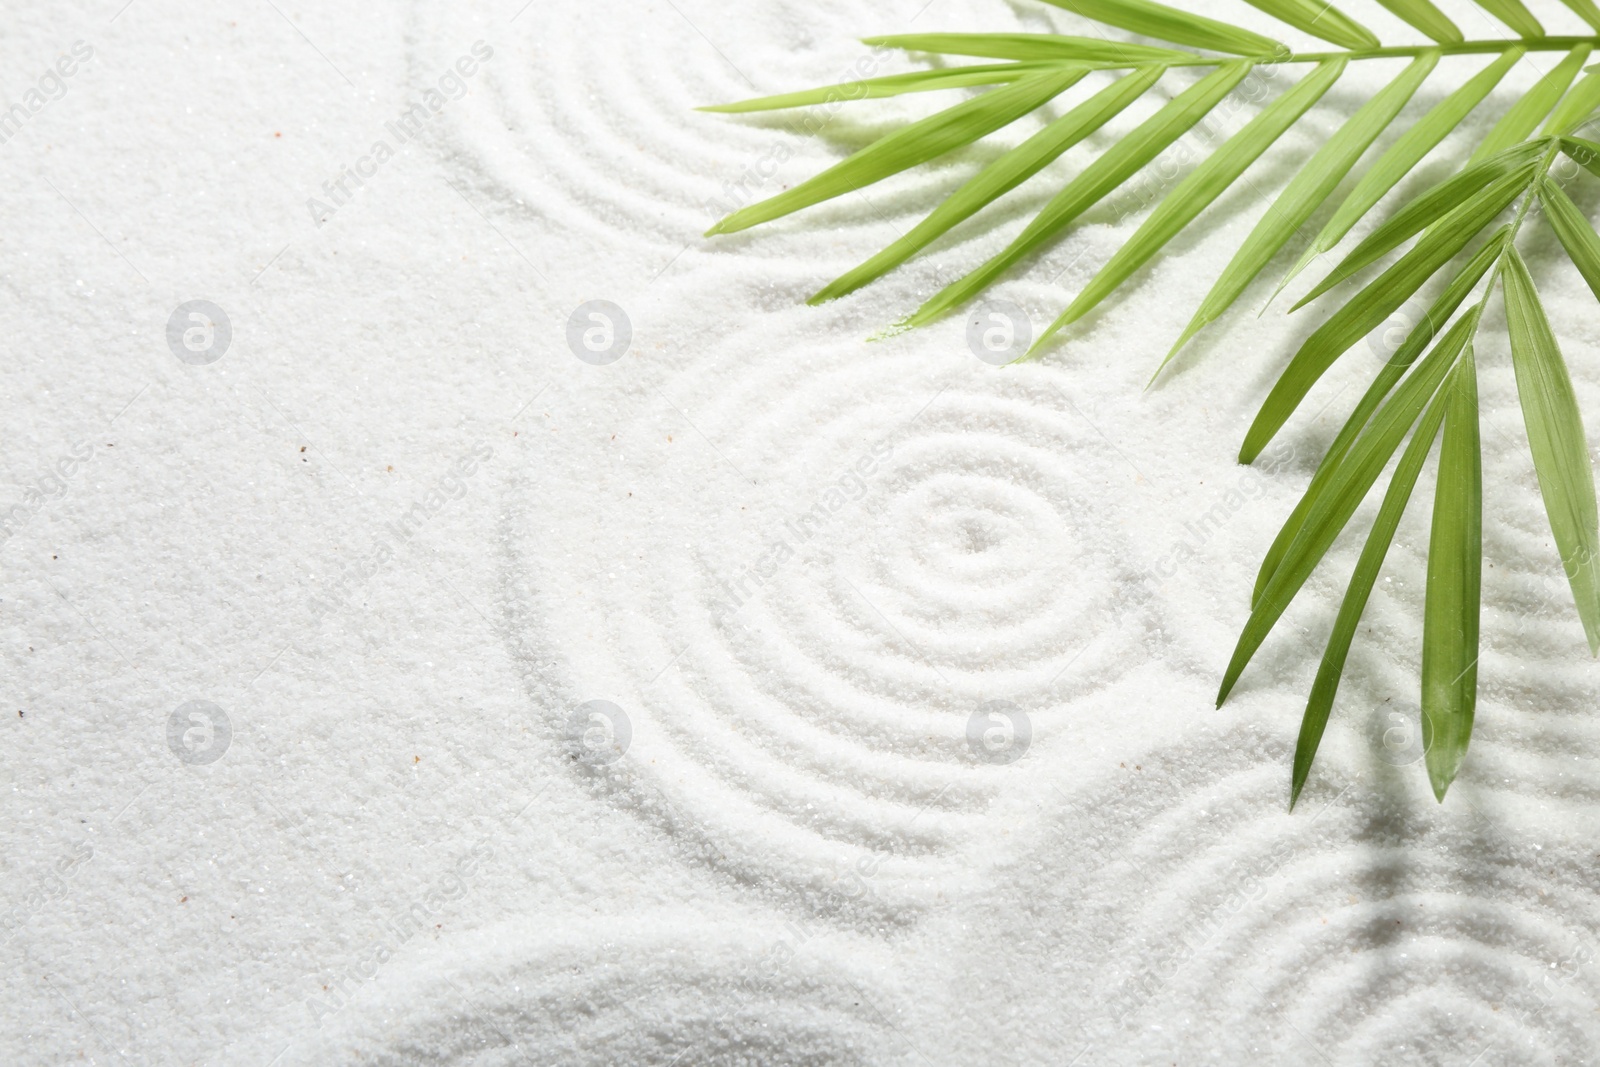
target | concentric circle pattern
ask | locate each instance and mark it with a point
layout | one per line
(626, 992)
(583, 129)
(865, 623)
(1365, 927)
(833, 563)
(586, 115)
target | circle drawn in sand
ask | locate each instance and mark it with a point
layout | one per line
(596, 138)
(598, 132)
(1362, 926)
(674, 990)
(826, 559)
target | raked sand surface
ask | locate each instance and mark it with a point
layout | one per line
(763, 696)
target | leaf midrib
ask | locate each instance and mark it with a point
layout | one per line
(1488, 46)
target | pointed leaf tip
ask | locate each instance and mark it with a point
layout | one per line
(1424, 16)
(1170, 24)
(1454, 585)
(1313, 184)
(1320, 20)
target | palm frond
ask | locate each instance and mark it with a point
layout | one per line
(1320, 20)
(1576, 106)
(1000, 177)
(1346, 487)
(1439, 312)
(1582, 244)
(1513, 169)
(1455, 569)
(1371, 306)
(1556, 438)
(1402, 157)
(1453, 235)
(1037, 47)
(1310, 187)
(1514, 15)
(918, 143)
(1519, 122)
(1422, 15)
(1585, 10)
(1203, 185)
(1170, 24)
(1362, 579)
(1120, 162)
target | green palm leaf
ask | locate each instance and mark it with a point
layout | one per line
(920, 81)
(1347, 487)
(1433, 321)
(1203, 185)
(1427, 391)
(1574, 233)
(1585, 10)
(1576, 106)
(1326, 686)
(1425, 17)
(1515, 169)
(1371, 306)
(1584, 153)
(1000, 177)
(1108, 172)
(1518, 123)
(1306, 193)
(1515, 15)
(917, 143)
(1455, 562)
(1170, 24)
(1556, 438)
(1403, 156)
(1051, 47)
(1319, 20)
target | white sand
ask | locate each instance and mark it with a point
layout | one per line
(403, 855)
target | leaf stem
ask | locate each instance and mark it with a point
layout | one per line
(1408, 51)
(1522, 214)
